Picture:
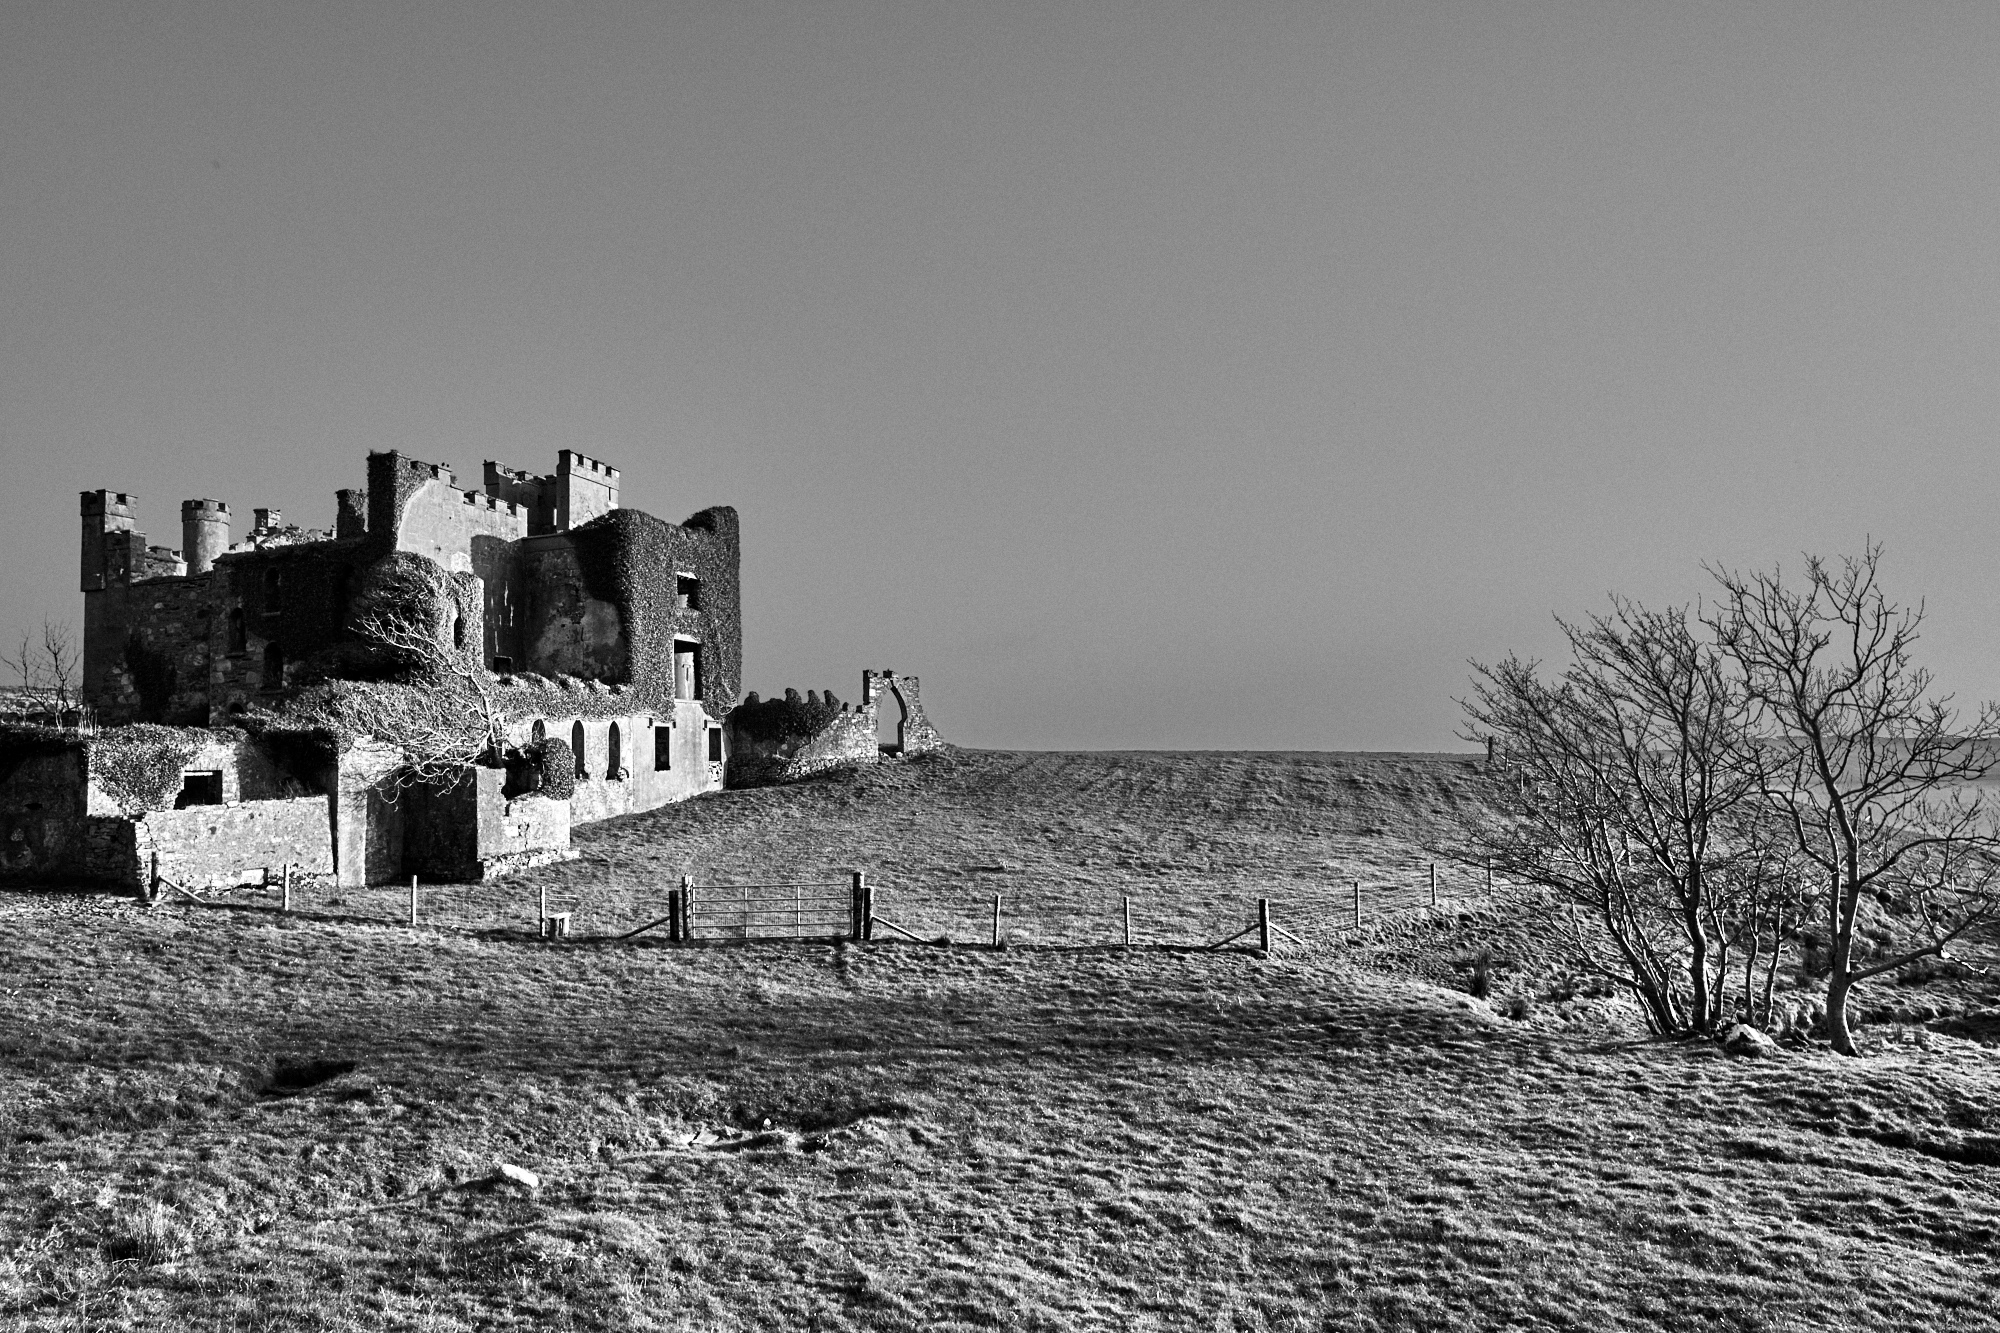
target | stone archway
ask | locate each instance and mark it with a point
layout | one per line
(899, 712)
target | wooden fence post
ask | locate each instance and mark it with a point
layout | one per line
(413, 900)
(153, 881)
(1128, 920)
(857, 921)
(867, 905)
(285, 903)
(1434, 884)
(541, 909)
(1264, 925)
(1357, 904)
(674, 915)
(996, 920)
(687, 908)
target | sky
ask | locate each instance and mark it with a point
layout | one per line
(1139, 375)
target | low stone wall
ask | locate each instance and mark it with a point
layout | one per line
(782, 740)
(43, 829)
(761, 754)
(204, 846)
(469, 830)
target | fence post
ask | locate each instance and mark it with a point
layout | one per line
(1264, 925)
(1128, 920)
(867, 905)
(542, 910)
(413, 900)
(996, 920)
(1434, 884)
(674, 915)
(285, 904)
(1357, 904)
(687, 908)
(153, 881)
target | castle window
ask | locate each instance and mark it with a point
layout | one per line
(239, 637)
(274, 667)
(576, 748)
(199, 788)
(687, 670)
(715, 745)
(502, 663)
(687, 593)
(663, 749)
(613, 760)
(458, 632)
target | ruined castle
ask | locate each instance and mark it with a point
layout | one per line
(593, 636)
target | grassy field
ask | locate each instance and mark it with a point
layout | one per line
(221, 1117)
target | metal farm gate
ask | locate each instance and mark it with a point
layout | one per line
(798, 910)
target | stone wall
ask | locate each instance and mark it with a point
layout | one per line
(641, 781)
(469, 829)
(205, 846)
(633, 563)
(43, 830)
(571, 631)
(368, 812)
(886, 689)
(781, 740)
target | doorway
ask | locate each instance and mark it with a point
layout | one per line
(890, 715)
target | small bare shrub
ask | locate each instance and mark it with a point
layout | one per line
(150, 1234)
(1483, 964)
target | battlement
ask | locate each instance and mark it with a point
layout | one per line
(492, 502)
(203, 508)
(570, 461)
(416, 467)
(120, 503)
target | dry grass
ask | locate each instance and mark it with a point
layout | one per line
(222, 1118)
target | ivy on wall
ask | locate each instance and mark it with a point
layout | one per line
(140, 766)
(629, 559)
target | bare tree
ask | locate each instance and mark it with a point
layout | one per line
(446, 715)
(1623, 792)
(1866, 764)
(50, 671)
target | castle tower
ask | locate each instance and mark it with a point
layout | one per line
(105, 512)
(204, 533)
(585, 489)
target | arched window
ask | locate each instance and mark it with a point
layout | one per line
(613, 760)
(274, 667)
(576, 748)
(239, 638)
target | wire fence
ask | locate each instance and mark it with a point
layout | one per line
(1301, 906)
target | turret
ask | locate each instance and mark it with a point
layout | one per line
(104, 512)
(204, 533)
(585, 489)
